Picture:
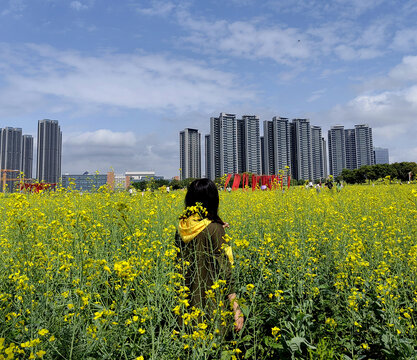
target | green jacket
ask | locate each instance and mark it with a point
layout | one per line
(208, 263)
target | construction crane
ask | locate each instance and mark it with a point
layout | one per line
(4, 177)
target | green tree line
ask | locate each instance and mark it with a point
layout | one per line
(368, 173)
(154, 184)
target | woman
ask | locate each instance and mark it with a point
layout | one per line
(200, 240)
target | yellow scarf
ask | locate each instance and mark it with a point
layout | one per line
(190, 227)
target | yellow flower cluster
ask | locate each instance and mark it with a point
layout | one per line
(97, 275)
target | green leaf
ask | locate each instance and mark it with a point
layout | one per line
(249, 352)
(247, 338)
(226, 355)
(271, 342)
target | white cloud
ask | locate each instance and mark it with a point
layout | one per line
(389, 106)
(397, 78)
(405, 40)
(78, 5)
(316, 95)
(105, 149)
(14, 7)
(130, 81)
(160, 8)
(247, 39)
(295, 45)
(322, 9)
(103, 138)
(406, 71)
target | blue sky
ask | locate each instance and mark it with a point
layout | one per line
(123, 78)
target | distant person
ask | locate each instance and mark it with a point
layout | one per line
(329, 184)
(200, 238)
(338, 186)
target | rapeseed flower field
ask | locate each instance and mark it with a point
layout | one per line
(329, 275)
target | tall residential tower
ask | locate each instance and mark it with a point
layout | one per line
(11, 148)
(337, 150)
(301, 149)
(251, 145)
(48, 167)
(27, 155)
(190, 154)
(223, 145)
(364, 145)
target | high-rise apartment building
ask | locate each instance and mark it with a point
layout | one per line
(318, 170)
(301, 150)
(241, 146)
(228, 144)
(364, 145)
(263, 167)
(381, 155)
(223, 145)
(337, 150)
(207, 153)
(48, 168)
(11, 148)
(350, 149)
(27, 155)
(268, 159)
(214, 148)
(323, 145)
(10, 155)
(190, 154)
(277, 145)
(251, 144)
(282, 144)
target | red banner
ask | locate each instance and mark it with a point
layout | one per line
(36, 187)
(229, 176)
(236, 182)
(246, 181)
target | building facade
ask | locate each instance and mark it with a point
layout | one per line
(241, 151)
(381, 155)
(350, 149)
(301, 150)
(27, 155)
(84, 182)
(318, 170)
(49, 151)
(223, 146)
(190, 154)
(325, 167)
(251, 145)
(268, 154)
(337, 150)
(282, 144)
(213, 148)
(11, 148)
(364, 145)
(276, 155)
(207, 152)
(10, 157)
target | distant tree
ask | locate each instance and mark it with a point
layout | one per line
(365, 173)
(186, 182)
(348, 176)
(140, 185)
(175, 184)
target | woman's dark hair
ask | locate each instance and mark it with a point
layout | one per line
(204, 191)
